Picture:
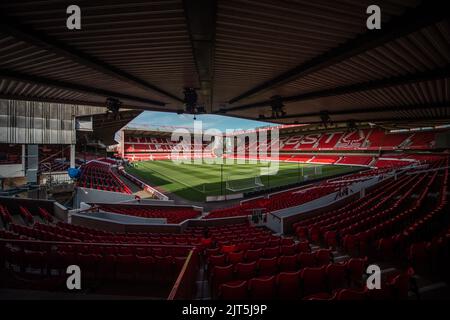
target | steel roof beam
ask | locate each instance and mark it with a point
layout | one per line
(201, 25)
(380, 110)
(440, 73)
(16, 76)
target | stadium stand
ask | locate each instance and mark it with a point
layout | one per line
(357, 121)
(98, 175)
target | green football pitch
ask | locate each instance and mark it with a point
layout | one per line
(197, 181)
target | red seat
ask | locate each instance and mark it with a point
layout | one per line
(262, 288)
(219, 260)
(400, 284)
(243, 246)
(350, 244)
(303, 246)
(356, 268)
(337, 275)
(253, 255)
(314, 234)
(330, 239)
(288, 250)
(275, 242)
(386, 248)
(349, 294)
(259, 244)
(288, 263)
(307, 259)
(288, 285)
(271, 252)
(267, 266)
(287, 241)
(125, 266)
(419, 256)
(235, 257)
(228, 248)
(323, 256)
(236, 290)
(220, 275)
(245, 270)
(302, 232)
(144, 267)
(164, 267)
(313, 280)
(214, 251)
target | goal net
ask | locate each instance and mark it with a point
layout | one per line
(235, 183)
(311, 172)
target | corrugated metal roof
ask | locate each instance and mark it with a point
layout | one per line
(257, 40)
(427, 49)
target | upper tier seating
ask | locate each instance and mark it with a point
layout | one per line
(365, 139)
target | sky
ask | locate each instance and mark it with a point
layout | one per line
(222, 123)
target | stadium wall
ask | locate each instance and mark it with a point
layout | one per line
(114, 226)
(12, 170)
(31, 122)
(93, 195)
(121, 218)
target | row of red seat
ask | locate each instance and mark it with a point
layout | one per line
(172, 214)
(396, 286)
(263, 266)
(288, 285)
(97, 266)
(98, 175)
(431, 257)
(25, 211)
(239, 234)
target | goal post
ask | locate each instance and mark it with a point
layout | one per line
(235, 183)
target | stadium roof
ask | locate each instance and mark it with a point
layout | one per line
(321, 59)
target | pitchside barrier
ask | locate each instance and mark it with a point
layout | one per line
(94, 195)
(142, 184)
(233, 196)
(235, 183)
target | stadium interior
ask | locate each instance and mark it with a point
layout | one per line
(357, 121)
